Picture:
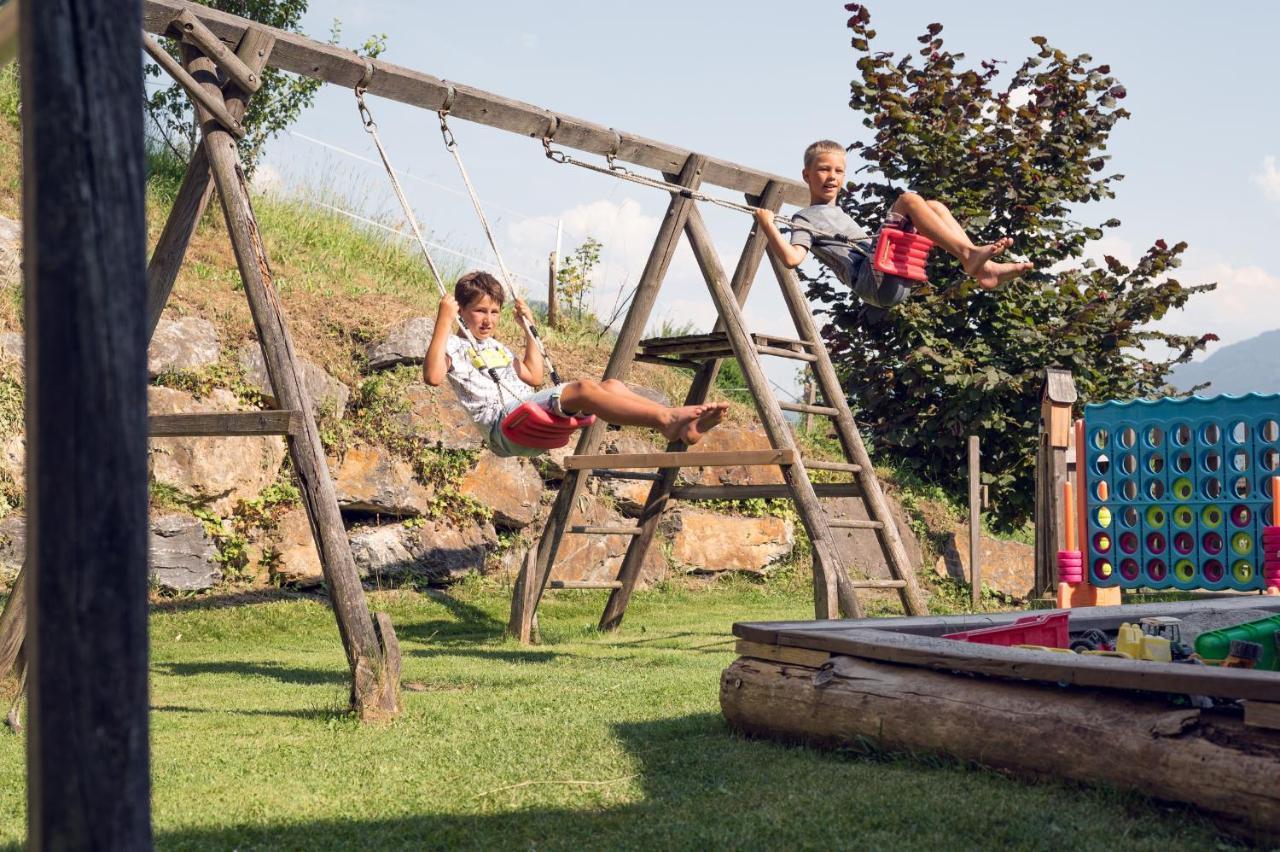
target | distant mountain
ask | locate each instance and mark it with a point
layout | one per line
(1251, 365)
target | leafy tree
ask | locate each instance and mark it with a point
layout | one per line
(573, 279)
(278, 102)
(1009, 158)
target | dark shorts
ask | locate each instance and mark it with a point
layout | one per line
(876, 288)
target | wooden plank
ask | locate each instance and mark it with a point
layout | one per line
(808, 408)
(995, 661)
(703, 380)
(586, 584)
(1262, 714)
(877, 584)
(605, 473)
(839, 467)
(678, 363)
(582, 529)
(84, 270)
(194, 194)
(781, 654)
(373, 694)
(761, 492)
(214, 105)
(975, 524)
(854, 524)
(211, 46)
(524, 602)
(729, 458)
(1207, 759)
(223, 423)
(787, 353)
(824, 373)
(309, 58)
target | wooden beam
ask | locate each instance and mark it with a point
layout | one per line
(586, 584)
(309, 58)
(762, 492)
(808, 408)
(582, 529)
(213, 105)
(732, 458)
(854, 524)
(211, 46)
(975, 524)
(781, 654)
(85, 239)
(224, 423)
(839, 467)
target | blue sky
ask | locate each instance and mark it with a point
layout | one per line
(755, 82)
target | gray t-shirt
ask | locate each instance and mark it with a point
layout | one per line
(835, 254)
(474, 386)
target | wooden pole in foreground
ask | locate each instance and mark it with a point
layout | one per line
(88, 781)
(975, 523)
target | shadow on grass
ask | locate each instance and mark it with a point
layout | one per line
(284, 674)
(233, 599)
(316, 714)
(701, 787)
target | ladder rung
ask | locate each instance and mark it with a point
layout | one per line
(705, 343)
(223, 423)
(582, 529)
(605, 473)
(688, 459)
(786, 353)
(839, 467)
(762, 492)
(805, 408)
(586, 584)
(686, 363)
(854, 525)
(878, 584)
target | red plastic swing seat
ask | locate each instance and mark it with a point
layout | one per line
(902, 253)
(531, 425)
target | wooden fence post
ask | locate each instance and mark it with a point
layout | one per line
(84, 234)
(553, 275)
(975, 523)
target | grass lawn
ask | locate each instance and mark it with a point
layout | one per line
(587, 741)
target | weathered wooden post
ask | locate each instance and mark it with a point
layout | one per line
(975, 523)
(1057, 396)
(553, 276)
(88, 784)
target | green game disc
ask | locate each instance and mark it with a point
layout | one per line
(1184, 570)
(1211, 516)
(1182, 488)
(1242, 570)
(1242, 543)
(1155, 516)
(1183, 516)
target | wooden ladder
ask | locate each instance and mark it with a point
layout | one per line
(834, 592)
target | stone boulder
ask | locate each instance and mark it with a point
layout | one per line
(729, 438)
(13, 349)
(709, 542)
(405, 343)
(1008, 567)
(371, 479)
(13, 545)
(298, 561)
(13, 459)
(187, 343)
(436, 551)
(436, 415)
(510, 487)
(182, 555)
(10, 253)
(860, 550)
(218, 471)
(597, 558)
(326, 392)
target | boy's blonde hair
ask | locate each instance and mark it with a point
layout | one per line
(822, 146)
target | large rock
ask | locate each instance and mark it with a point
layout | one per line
(598, 558)
(510, 487)
(216, 470)
(1008, 567)
(629, 494)
(297, 561)
(731, 438)
(327, 393)
(182, 555)
(710, 542)
(187, 343)
(860, 550)
(10, 252)
(13, 349)
(405, 343)
(371, 479)
(434, 550)
(13, 545)
(13, 459)
(436, 415)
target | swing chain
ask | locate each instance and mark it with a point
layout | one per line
(552, 154)
(449, 142)
(366, 117)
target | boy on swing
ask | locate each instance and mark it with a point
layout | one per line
(824, 167)
(477, 298)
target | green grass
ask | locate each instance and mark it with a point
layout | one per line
(586, 741)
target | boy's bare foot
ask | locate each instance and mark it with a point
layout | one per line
(690, 422)
(992, 275)
(980, 256)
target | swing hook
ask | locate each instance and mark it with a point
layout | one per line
(449, 142)
(366, 117)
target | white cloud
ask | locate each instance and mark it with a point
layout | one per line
(1245, 304)
(1268, 179)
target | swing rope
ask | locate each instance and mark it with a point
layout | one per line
(371, 127)
(451, 144)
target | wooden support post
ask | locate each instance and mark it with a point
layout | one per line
(212, 104)
(1058, 394)
(194, 193)
(237, 71)
(374, 692)
(84, 232)
(810, 399)
(975, 524)
(524, 601)
(553, 290)
(825, 375)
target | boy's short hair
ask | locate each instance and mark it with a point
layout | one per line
(822, 146)
(475, 285)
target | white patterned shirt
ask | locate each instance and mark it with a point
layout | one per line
(474, 386)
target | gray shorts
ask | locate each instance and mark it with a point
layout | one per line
(873, 286)
(548, 398)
